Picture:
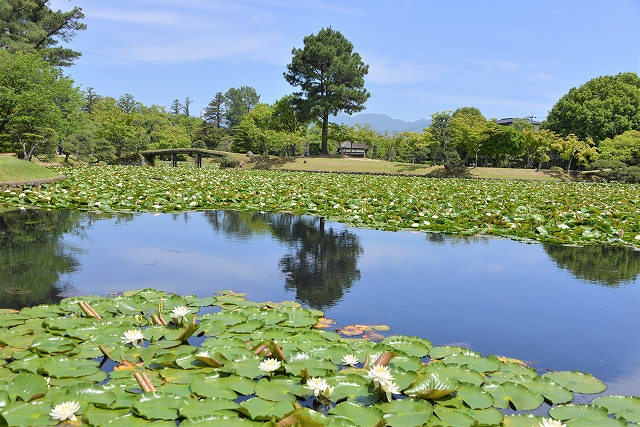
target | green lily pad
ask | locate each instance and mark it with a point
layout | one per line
(474, 396)
(348, 386)
(101, 416)
(431, 386)
(279, 389)
(453, 418)
(627, 407)
(456, 373)
(299, 362)
(32, 414)
(513, 394)
(216, 420)
(66, 367)
(521, 420)
(89, 393)
(577, 382)
(411, 346)
(259, 409)
(27, 386)
(550, 390)
(406, 412)
(363, 416)
(205, 407)
(158, 406)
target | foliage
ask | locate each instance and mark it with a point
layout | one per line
(616, 170)
(624, 147)
(31, 26)
(441, 134)
(567, 213)
(601, 108)
(36, 103)
(223, 359)
(503, 145)
(330, 76)
(470, 132)
(571, 148)
(238, 102)
(536, 145)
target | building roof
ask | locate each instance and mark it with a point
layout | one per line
(509, 120)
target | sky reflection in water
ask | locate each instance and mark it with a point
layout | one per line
(556, 307)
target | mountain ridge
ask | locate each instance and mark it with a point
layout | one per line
(382, 122)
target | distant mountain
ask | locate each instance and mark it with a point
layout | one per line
(381, 122)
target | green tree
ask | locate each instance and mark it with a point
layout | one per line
(90, 100)
(601, 108)
(330, 76)
(624, 147)
(441, 133)
(503, 145)
(469, 131)
(119, 128)
(571, 149)
(536, 145)
(37, 103)
(176, 107)
(31, 26)
(239, 101)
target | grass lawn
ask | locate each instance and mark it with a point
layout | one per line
(14, 170)
(364, 165)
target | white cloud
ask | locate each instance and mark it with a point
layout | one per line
(392, 71)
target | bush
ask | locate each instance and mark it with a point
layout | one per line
(616, 170)
(228, 162)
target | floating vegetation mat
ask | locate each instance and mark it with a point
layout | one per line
(150, 358)
(565, 213)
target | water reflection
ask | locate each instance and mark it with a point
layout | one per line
(531, 302)
(33, 256)
(321, 262)
(600, 265)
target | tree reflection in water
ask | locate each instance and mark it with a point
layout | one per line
(322, 263)
(601, 265)
(33, 256)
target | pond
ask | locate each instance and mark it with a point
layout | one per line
(555, 307)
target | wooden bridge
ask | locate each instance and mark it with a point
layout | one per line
(197, 153)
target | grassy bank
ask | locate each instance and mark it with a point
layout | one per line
(373, 166)
(14, 171)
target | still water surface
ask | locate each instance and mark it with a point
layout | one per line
(561, 308)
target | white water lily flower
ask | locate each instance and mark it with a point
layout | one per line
(390, 388)
(132, 336)
(380, 374)
(548, 422)
(350, 360)
(269, 365)
(65, 411)
(180, 311)
(319, 386)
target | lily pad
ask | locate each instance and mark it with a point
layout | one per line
(27, 386)
(577, 382)
(261, 409)
(158, 406)
(205, 407)
(406, 412)
(512, 394)
(627, 407)
(66, 367)
(363, 416)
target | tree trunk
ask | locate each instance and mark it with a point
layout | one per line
(325, 133)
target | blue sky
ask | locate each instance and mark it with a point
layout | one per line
(507, 58)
